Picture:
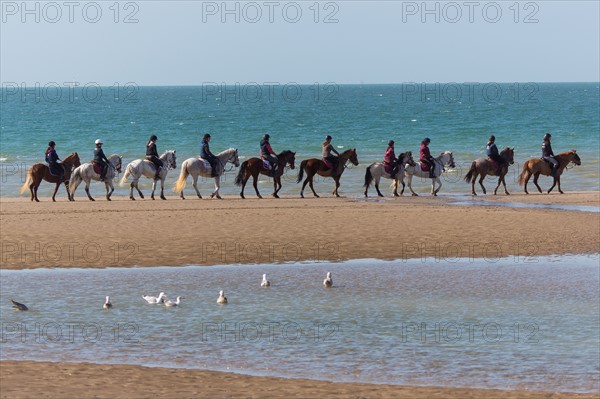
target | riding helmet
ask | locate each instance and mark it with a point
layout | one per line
(328, 138)
(206, 136)
(98, 141)
(547, 136)
(266, 137)
(427, 140)
(492, 138)
(153, 137)
(51, 144)
(390, 143)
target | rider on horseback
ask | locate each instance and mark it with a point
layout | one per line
(208, 156)
(52, 158)
(548, 154)
(101, 159)
(327, 156)
(389, 159)
(492, 153)
(267, 153)
(426, 157)
(152, 155)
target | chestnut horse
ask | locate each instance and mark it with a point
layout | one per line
(254, 166)
(316, 166)
(485, 166)
(537, 166)
(41, 171)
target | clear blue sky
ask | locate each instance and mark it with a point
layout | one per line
(187, 42)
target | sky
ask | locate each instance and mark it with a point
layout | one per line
(198, 42)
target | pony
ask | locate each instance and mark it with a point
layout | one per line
(199, 167)
(537, 166)
(41, 171)
(376, 171)
(445, 158)
(314, 166)
(143, 167)
(485, 166)
(254, 166)
(85, 172)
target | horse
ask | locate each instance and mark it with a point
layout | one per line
(143, 167)
(485, 166)
(315, 166)
(254, 166)
(199, 167)
(41, 171)
(445, 158)
(376, 171)
(537, 166)
(86, 173)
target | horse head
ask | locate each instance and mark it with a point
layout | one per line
(450, 161)
(289, 157)
(508, 154)
(170, 158)
(575, 157)
(406, 158)
(116, 161)
(350, 155)
(236, 158)
(74, 158)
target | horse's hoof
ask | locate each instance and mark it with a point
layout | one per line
(507, 193)
(275, 196)
(415, 195)
(561, 192)
(131, 198)
(380, 195)
(162, 198)
(152, 198)
(108, 199)
(91, 199)
(259, 196)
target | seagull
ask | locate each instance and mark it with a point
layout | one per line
(171, 304)
(328, 282)
(265, 282)
(222, 300)
(19, 306)
(154, 300)
(107, 304)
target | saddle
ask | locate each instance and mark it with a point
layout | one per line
(56, 171)
(424, 167)
(328, 164)
(266, 164)
(388, 168)
(151, 164)
(494, 163)
(97, 167)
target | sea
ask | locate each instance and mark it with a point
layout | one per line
(457, 117)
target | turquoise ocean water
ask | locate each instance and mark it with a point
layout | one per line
(457, 117)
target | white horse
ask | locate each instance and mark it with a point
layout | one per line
(199, 167)
(85, 172)
(143, 167)
(445, 158)
(376, 171)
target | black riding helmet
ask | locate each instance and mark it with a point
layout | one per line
(492, 138)
(206, 136)
(266, 137)
(51, 144)
(390, 143)
(426, 140)
(328, 138)
(547, 136)
(153, 137)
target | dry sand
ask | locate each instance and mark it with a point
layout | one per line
(204, 232)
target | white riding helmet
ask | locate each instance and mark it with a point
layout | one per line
(98, 141)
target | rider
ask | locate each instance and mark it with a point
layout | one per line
(101, 159)
(267, 153)
(53, 161)
(425, 156)
(208, 156)
(389, 159)
(492, 153)
(548, 155)
(327, 156)
(152, 155)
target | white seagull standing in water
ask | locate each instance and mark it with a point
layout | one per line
(328, 282)
(20, 306)
(155, 300)
(171, 304)
(265, 282)
(222, 300)
(107, 304)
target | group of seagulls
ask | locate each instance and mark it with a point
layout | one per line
(162, 298)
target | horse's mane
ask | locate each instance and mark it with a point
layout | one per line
(284, 153)
(566, 153)
(505, 150)
(231, 149)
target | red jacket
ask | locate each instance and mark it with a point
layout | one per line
(390, 156)
(424, 152)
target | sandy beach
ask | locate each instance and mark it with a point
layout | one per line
(124, 233)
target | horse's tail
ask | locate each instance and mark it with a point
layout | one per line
(368, 176)
(27, 181)
(522, 175)
(75, 180)
(471, 172)
(301, 171)
(239, 179)
(123, 181)
(180, 184)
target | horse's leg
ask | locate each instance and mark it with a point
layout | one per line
(254, 183)
(35, 190)
(67, 188)
(504, 184)
(410, 186)
(553, 184)
(377, 187)
(138, 189)
(310, 183)
(536, 176)
(558, 181)
(131, 197)
(276, 186)
(162, 188)
(337, 185)
(439, 182)
(195, 185)
(481, 179)
(153, 188)
(526, 180)
(304, 185)
(87, 190)
(217, 187)
(107, 185)
(395, 184)
(244, 181)
(55, 191)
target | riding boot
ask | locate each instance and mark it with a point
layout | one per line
(273, 169)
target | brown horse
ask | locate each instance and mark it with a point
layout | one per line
(254, 166)
(536, 167)
(41, 171)
(316, 166)
(485, 166)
